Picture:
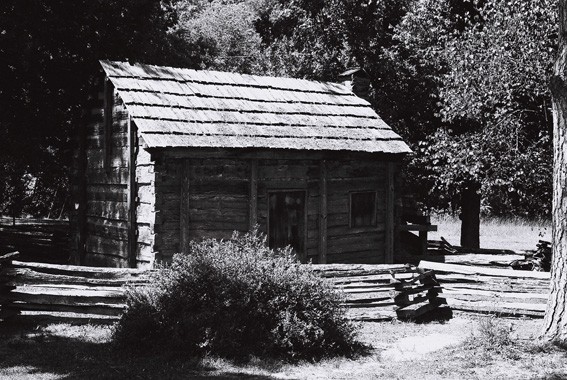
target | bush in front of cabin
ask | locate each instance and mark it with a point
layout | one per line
(237, 299)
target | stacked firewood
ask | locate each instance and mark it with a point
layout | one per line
(418, 298)
(539, 260)
(440, 247)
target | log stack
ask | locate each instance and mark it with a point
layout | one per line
(418, 298)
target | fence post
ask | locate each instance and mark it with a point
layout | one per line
(419, 298)
(7, 311)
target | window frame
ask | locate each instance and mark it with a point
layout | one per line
(374, 217)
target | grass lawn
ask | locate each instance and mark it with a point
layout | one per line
(466, 347)
(513, 234)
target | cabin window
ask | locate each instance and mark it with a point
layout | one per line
(363, 209)
(107, 128)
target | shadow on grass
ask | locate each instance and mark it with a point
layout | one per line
(26, 354)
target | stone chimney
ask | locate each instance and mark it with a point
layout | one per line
(357, 80)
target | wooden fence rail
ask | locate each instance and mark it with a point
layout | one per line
(503, 292)
(36, 240)
(41, 292)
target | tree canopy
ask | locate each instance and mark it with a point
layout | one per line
(463, 81)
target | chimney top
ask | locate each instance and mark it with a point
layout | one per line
(357, 80)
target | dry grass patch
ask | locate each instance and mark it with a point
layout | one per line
(504, 233)
(491, 348)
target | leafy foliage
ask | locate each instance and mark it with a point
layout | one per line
(465, 78)
(490, 64)
(50, 52)
(234, 299)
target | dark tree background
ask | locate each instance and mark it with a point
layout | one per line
(464, 82)
(49, 52)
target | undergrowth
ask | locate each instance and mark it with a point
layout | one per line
(237, 299)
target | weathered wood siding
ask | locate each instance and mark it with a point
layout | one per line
(215, 204)
(348, 244)
(276, 175)
(106, 188)
(202, 198)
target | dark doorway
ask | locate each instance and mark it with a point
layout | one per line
(286, 220)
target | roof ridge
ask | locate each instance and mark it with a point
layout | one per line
(107, 63)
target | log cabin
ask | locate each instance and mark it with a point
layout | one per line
(170, 155)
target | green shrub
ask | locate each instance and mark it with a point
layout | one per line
(237, 299)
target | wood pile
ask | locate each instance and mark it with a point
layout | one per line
(440, 247)
(368, 289)
(418, 298)
(39, 293)
(538, 260)
(503, 292)
(46, 241)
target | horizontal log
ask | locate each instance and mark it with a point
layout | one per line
(385, 289)
(481, 259)
(109, 192)
(89, 272)
(449, 294)
(8, 257)
(501, 309)
(500, 287)
(28, 276)
(64, 296)
(288, 171)
(417, 227)
(352, 299)
(110, 210)
(78, 308)
(454, 268)
(96, 158)
(106, 245)
(44, 317)
(389, 304)
(348, 270)
(372, 256)
(118, 141)
(115, 176)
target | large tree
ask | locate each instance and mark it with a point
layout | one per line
(493, 147)
(555, 323)
(49, 52)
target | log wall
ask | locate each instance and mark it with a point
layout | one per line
(201, 198)
(145, 204)
(101, 235)
(348, 244)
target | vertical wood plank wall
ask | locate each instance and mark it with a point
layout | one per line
(106, 187)
(211, 197)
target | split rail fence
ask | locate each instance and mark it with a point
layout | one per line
(44, 293)
(481, 289)
(38, 292)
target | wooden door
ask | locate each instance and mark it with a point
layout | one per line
(286, 220)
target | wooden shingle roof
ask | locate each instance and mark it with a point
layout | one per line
(175, 107)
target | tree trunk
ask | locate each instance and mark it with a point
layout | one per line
(555, 323)
(470, 217)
